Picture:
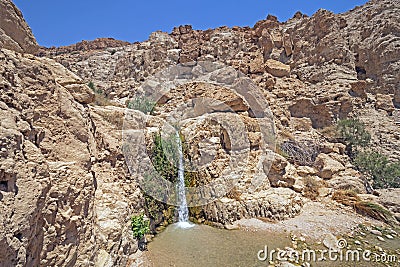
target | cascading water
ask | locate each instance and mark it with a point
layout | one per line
(183, 211)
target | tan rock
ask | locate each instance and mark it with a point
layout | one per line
(384, 102)
(320, 114)
(277, 68)
(301, 124)
(304, 171)
(287, 44)
(331, 242)
(337, 148)
(327, 166)
(257, 64)
(358, 89)
(15, 34)
(347, 179)
(81, 93)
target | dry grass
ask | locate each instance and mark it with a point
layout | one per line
(234, 194)
(375, 210)
(366, 208)
(301, 152)
(101, 100)
(329, 132)
(346, 197)
(311, 187)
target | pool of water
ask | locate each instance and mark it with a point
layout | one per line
(203, 245)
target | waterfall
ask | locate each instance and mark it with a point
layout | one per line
(183, 211)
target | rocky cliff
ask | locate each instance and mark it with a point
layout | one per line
(66, 193)
(15, 34)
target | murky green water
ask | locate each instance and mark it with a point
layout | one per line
(202, 245)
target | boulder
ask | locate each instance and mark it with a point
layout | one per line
(330, 241)
(327, 166)
(358, 89)
(320, 114)
(81, 93)
(384, 102)
(277, 68)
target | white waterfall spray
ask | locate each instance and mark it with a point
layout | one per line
(183, 211)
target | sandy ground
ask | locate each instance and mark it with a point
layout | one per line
(315, 221)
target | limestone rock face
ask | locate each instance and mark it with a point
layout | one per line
(97, 44)
(63, 181)
(275, 203)
(328, 166)
(15, 34)
(66, 194)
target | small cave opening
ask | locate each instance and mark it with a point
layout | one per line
(361, 73)
(4, 186)
(18, 236)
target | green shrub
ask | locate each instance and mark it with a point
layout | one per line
(163, 150)
(140, 226)
(94, 89)
(100, 99)
(91, 85)
(354, 134)
(385, 174)
(142, 104)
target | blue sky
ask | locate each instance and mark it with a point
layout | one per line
(56, 23)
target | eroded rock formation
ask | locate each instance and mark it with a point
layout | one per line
(15, 34)
(66, 194)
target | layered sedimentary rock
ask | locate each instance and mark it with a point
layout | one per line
(66, 195)
(15, 33)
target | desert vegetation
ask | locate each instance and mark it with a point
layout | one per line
(377, 167)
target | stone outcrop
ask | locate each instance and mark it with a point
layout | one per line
(15, 34)
(275, 204)
(97, 44)
(64, 184)
(277, 68)
(66, 194)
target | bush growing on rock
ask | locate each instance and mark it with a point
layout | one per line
(163, 150)
(163, 154)
(94, 88)
(142, 104)
(354, 134)
(384, 174)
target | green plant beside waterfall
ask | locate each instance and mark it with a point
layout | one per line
(142, 104)
(140, 226)
(163, 152)
(164, 156)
